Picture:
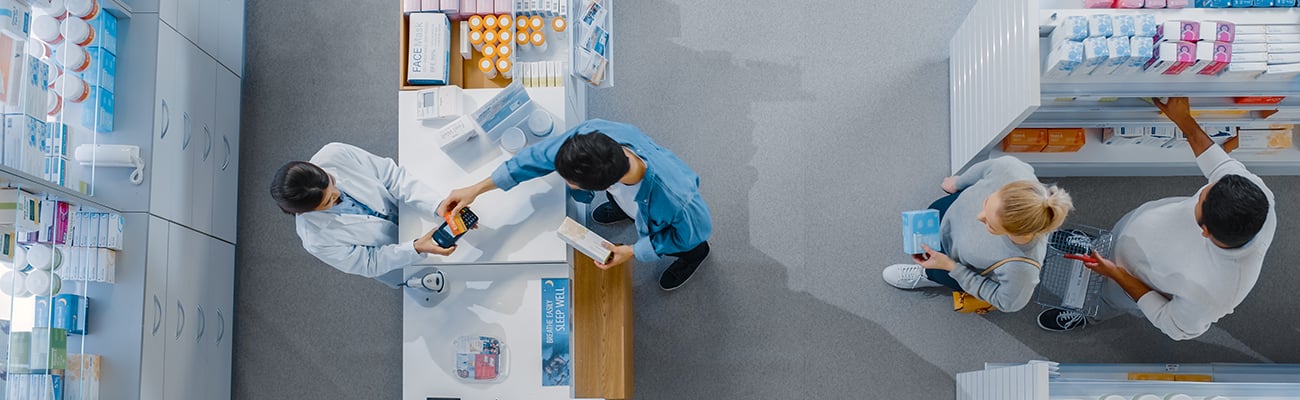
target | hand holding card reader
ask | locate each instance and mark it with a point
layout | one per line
(454, 227)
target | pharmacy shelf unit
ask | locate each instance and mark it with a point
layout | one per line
(1091, 381)
(997, 85)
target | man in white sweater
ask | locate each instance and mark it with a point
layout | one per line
(1185, 262)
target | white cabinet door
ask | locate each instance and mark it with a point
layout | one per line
(221, 279)
(230, 49)
(202, 146)
(172, 129)
(152, 369)
(185, 255)
(187, 18)
(167, 11)
(226, 189)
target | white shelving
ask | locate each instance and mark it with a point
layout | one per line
(996, 67)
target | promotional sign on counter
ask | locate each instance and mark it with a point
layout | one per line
(555, 332)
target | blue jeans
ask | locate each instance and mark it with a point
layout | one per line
(938, 275)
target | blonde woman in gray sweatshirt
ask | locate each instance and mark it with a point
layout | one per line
(995, 211)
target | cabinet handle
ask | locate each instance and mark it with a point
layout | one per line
(157, 315)
(167, 119)
(180, 323)
(207, 150)
(185, 140)
(226, 139)
(203, 324)
(221, 326)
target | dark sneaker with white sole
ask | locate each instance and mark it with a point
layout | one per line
(609, 213)
(1058, 320)
(683, 267)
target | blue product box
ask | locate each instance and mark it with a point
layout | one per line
(1100, 25)
(105, 26)
(1124, 26)
(1144, 25)
(1285, 3)
(97, 114)
(56, 170)
(36, 82)
(920, 227)
(1264, 3)
(103, 69)
(1074, 28)
(1243, 3)
(70, 313)
(42, 312)
(55, 140)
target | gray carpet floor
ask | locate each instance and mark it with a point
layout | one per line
(810, 130)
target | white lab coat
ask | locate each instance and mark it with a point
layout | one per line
(362, 244)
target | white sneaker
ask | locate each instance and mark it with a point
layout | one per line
(907, 276)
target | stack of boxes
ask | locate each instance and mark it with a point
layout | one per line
(1039, 140)
(1161, 136)
(1193, 47)
(1101, 45)
(95, 238)
(37, 363)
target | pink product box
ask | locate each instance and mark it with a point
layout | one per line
(1172, 58)
(468, 7)
(1130, 3)
(485, 7)
(1156, 4)
(503, 6)
(1218, 31)
(430, 5)
(1212, 57)
(1179, 30)
(450, 6)
(1098, 3)
(1177, 4)
(410, 6)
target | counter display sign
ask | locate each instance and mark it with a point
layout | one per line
(555, 332)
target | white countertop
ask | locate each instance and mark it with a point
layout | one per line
(514, 227)
(502, 301)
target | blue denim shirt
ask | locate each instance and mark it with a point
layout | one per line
(672, 217)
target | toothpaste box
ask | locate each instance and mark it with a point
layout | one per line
(1145, 25)
(1212, 57)
(1095, 53)
(1101, 25)
(428, 49)
(921, 227)
(1179, 30)
(1217, 31)
(1251, 29)
(1098, 3)
(1172, 58)
(1285, 28)
(1125, 25)
(1063, 61)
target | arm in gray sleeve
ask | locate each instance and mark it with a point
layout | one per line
(1005, 165)
(1009, 287)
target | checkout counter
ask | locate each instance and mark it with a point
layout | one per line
(496, 281)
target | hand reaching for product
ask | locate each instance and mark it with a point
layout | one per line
(933, 259)
(1175, 108)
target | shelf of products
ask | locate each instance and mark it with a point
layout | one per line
(1049, 380)
(1007, 73)
(484, 44)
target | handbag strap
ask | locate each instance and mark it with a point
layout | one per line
(1025, 260)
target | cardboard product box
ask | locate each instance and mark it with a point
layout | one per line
(921, 227)
(1124, 135)
(1217, 31)
(49, 350)
(105, 26)
(428, 50)
(1212, 58)
(1172, 58)
(1265, 139)
(97, 112)
(69, 313)
(461, 72)
(1025, 140)
(1179, 30)
(15, 19)
(1065, 140)
(20, 209)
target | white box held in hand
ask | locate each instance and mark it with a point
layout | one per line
(428, 52)
(584, 240)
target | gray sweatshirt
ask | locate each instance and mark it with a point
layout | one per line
(968, 242)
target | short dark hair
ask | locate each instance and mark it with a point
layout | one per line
(592, 161)
(1234, 210)
(299, 187)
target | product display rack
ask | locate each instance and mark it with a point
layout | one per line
(1050, 381)
(997, 85)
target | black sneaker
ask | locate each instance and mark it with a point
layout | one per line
(609, 213)
(1058, 320)
(678, 273)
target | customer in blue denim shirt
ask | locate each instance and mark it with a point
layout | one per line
(644, 183)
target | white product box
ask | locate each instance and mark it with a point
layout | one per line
(1095, 53)
(1282, 38)
(15, 19)
(1125, 26)
(1141, 50)
(1064, 60)
(1101, 26)
(35, 87)
(1179, 30)
(1145, 25)
(1250, 38)
(1243, 48)
(1212, 57)
(439, 105)
(460, 130)
(1158, 136)
(466, 50)
(23, 135)
(1072, 28)
(1277, 48)
(1282, 29)
(26, 210)
(1245, 70)
(1251, 30)
(584, 240)
(1283, 58)
(1217, 31)
(1120, 51)
(1172, 58)
(428, 49)
(1251, 57)
(1280, 72)
(1124, 135)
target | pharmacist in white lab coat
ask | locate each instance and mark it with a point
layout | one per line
(345, 201)
(1186, 262)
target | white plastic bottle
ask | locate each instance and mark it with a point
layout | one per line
(54, 104)
(47, 29)
(55, 8)
(74, 58)
(540, 123)
(78, 32)
(83, 9)
(73, 89)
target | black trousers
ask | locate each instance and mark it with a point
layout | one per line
(938, 275)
